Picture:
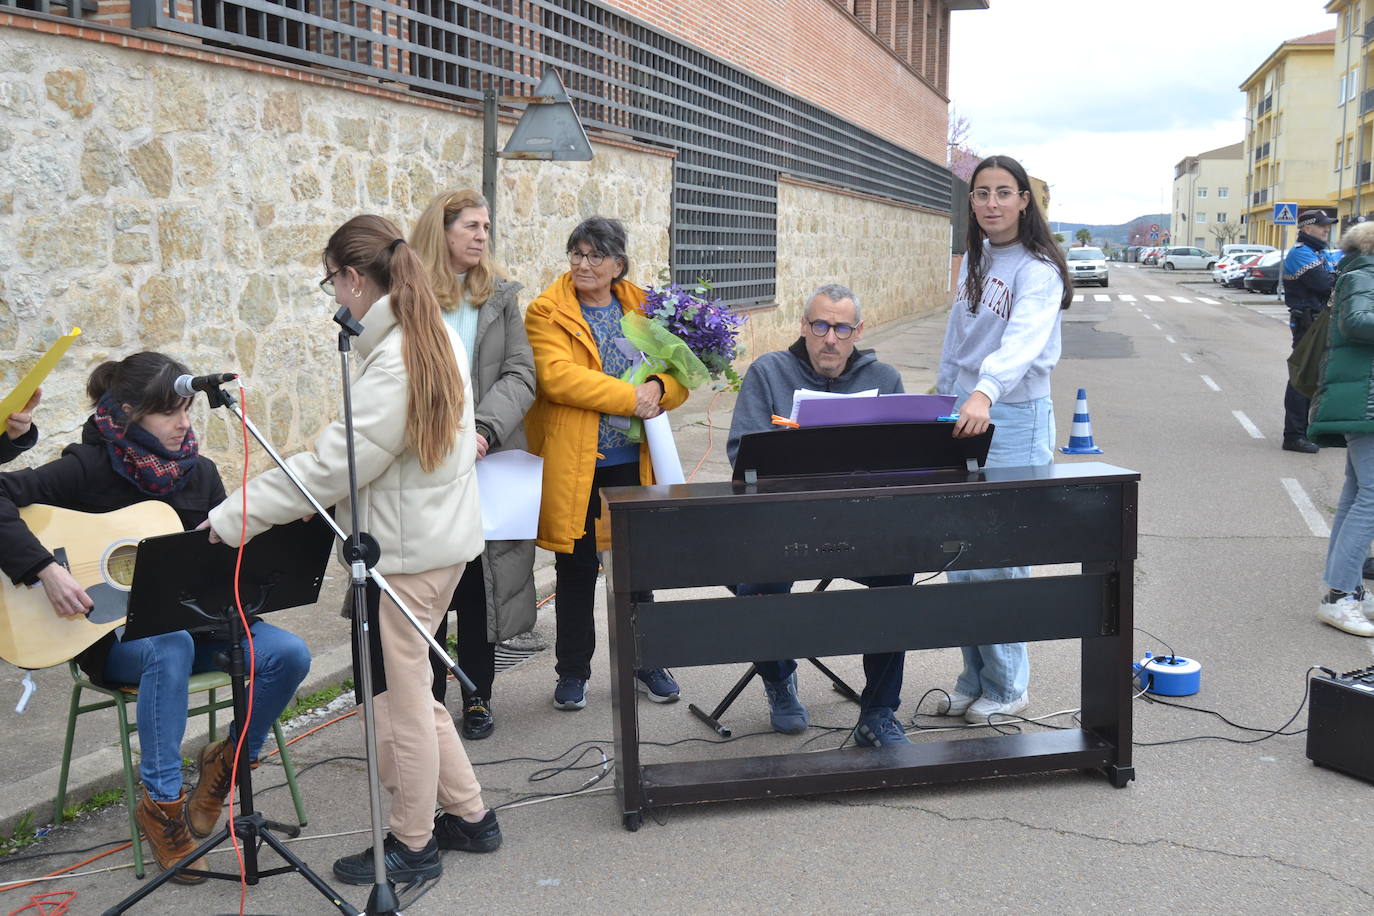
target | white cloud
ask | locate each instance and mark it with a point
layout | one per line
(1102, 97)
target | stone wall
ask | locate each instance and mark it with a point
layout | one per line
(179, 200)
(894, 257)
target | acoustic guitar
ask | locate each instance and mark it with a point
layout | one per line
(99, 549)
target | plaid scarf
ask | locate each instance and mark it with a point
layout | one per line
(137, 455)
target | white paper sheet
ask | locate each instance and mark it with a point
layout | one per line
(804, 394)
(663, 450)
(509, 484)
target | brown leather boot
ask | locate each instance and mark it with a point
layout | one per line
(164, 826)
(207, 798)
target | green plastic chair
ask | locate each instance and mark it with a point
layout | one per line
(124, 700)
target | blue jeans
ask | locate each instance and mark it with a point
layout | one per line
(1024, 437)
(882, 670)
(162, 665)
(1353, 528)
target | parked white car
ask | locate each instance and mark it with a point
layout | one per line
(1234, 275)
(1187, 258)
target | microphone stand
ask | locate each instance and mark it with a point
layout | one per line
(362, 553)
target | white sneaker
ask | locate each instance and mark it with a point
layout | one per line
(1366, 599)
(1345, 614)
(953, 703)
(983, 707)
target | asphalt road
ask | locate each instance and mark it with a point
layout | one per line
(1185, 385)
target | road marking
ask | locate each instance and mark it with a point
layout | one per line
(1156, 326)
(1186, 357)
(1126, 297)
(1180, 299)
(1244, 421)
(1145, 316)
(1154, 298)
(1315, 523)
(1169, 339)
(1098, 297)
(1078, 297)
(1208, 301)
(1207, 380)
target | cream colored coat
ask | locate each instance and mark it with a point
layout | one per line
(422, 520)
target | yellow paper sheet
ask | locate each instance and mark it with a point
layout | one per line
(16, 399)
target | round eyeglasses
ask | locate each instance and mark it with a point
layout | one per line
(1004, 196)
(822, 328)
(594, 258)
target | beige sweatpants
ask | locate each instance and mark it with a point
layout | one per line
(421, 760)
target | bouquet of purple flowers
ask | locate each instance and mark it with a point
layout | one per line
(710, 330)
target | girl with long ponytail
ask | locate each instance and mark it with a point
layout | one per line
(417, 495)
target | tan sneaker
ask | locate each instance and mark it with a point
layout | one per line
(164, 826)
(207, 798)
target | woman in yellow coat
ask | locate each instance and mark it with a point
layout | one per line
(577, 425)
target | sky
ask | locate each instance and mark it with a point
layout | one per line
(1101, 98)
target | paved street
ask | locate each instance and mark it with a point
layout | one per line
(1185, 385)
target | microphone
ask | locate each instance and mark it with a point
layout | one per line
(186, 386)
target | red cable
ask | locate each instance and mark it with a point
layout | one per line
(37, 902)
(252, 655)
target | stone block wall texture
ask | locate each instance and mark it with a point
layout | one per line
(895, 258)
(819, 50)
(166, 201)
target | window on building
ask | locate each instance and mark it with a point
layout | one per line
(1340, 90)
(1200, 217)
(1201, 192)
(1223, 192)
(1352, 85)
(1340, 149)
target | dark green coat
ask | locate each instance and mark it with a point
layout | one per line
(1344, 402)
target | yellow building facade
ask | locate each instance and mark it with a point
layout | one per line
(1352, 140)
(1289, 113)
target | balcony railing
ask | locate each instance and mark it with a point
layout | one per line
(1264, 106)
(1259, 197)
(1367, 101)
(1362, 172)
(1262, 152)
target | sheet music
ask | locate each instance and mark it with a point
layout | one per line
(806, 394)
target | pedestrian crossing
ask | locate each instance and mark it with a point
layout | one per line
(1270, 310)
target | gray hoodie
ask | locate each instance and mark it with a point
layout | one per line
(773, 377)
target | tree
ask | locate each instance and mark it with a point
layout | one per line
(1059, 237)
(1083, 236)
(961, 158)
(1139, 233)
(1225, 232)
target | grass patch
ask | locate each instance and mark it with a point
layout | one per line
(25, 834)
(313, 701)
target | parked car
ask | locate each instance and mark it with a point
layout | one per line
(1234, 276)
(1184, 257)
(1149, 256)
(1263, 275)
(1227, 261)
(1087, 265)
(1229, 251)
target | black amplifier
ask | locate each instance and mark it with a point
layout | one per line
(1340, 723)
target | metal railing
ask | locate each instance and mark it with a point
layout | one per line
(1261, 152)
(732, 132)
(1367, 101)
(76, 10)
(1362, 172)
(1264, 106)
(1260, 197)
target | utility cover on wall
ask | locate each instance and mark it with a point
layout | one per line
(550, 127)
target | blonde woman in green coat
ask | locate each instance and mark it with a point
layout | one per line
(1343, 415)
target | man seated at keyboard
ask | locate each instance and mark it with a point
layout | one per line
(824, 358)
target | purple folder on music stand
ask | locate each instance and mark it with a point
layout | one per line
(883, 408)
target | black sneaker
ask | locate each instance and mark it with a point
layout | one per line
(402, 865)
(452, 832)
(477, 720)
(1300, 444)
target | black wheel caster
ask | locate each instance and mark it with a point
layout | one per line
(633, 820)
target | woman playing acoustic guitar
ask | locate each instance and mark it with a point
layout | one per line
(139, 446)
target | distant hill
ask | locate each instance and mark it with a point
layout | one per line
(1118, 234)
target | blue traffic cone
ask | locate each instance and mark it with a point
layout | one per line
(1081, 435)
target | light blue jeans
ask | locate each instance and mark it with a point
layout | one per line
(1024, 437)
(162, 665)
(1353, 528)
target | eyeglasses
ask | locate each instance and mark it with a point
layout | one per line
(327, 284)
(594, 258)
(1004, 196)
(822, 328)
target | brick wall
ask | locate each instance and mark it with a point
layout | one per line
(853, 72)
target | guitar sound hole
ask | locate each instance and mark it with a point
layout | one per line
(119, 565)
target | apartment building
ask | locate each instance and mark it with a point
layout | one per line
(1209, 206)
(1289, 115)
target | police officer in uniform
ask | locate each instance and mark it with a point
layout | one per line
(1309, 273)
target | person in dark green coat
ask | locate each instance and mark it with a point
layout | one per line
(1342, 415)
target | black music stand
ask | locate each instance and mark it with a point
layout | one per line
(833, 451)
(183, 582)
